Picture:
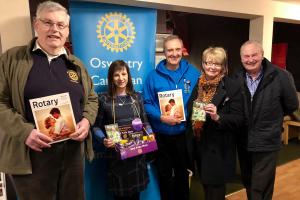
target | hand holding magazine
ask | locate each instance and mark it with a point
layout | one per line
(171, 104)
(198, 113)
(53, 116)
(113, 133)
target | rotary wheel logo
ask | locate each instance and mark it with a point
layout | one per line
(116, 32)
(73, 75)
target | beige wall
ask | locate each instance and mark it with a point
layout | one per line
(261, 13)
(16, 29)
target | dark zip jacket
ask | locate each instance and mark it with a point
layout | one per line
(274, 97)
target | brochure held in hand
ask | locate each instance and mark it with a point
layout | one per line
(53, 116)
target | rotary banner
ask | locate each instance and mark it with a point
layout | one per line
(103, 33)
(100, 34)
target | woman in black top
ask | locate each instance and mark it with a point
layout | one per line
(121, 105)
(215, 113)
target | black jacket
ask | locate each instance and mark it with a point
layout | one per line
(215, 153)
(274, 97)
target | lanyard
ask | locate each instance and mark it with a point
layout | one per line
(133, 105)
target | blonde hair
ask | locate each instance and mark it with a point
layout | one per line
(48, 121)
(218, 55)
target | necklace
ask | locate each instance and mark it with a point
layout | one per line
(122, 101)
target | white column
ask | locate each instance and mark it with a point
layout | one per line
(261, 29)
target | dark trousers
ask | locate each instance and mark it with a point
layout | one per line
(57, 174)
(258, 173)
(135, 196)
(214, 192)
(172, 167)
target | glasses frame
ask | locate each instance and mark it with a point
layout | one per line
(209, 63)
(49, 24)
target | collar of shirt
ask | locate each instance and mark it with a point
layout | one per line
(49, 57)
(258, 77)
(253, 83)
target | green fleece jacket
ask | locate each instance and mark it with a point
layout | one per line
(15, 65)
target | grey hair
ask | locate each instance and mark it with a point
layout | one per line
(50, 6)
(172, 37)
(254, 42)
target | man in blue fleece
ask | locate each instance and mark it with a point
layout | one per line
(173, 73)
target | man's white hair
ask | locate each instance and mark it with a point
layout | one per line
(254, 42)
(50, 6)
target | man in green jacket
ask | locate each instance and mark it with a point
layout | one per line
(44, 67)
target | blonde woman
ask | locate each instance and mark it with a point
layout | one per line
(213, 136)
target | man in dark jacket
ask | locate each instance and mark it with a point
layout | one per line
(269, 94)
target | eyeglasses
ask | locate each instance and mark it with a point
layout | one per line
(213, 64)
(48, 23)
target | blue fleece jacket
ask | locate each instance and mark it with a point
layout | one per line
(160, 80)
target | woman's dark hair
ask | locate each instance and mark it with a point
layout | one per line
(116, 66)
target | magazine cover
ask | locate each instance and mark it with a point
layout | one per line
(171, 104)
(113, 133)
(53, 116)
(135, 142)
(198, 113)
